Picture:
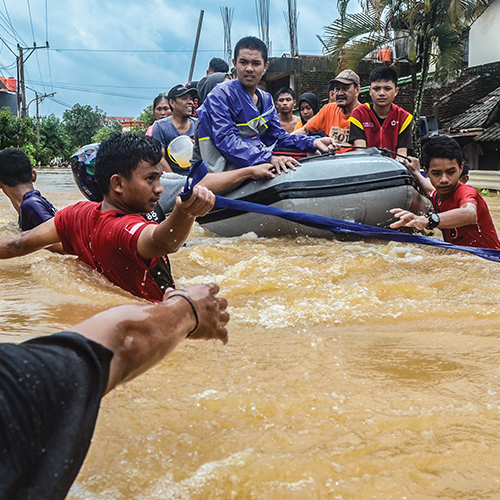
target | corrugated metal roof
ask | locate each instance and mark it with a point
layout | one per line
(478, 113)
(490, 134)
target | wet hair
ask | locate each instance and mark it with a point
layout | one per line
(284, 90)
(385, 73)
(441, 146)
(252, 43)
(158, 99)
(121, 154)
(218, 65)
(15, 167)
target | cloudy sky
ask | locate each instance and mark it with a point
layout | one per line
(119, 54)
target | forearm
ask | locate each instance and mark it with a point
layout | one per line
(173, 232)
(457, 217)
(424, 182)
(140, 336)
(220, 181)
(27, 242)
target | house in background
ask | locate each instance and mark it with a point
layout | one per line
(8, 95)
(127, 122)
(484, 46)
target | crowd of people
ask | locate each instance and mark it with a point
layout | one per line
(241, 132)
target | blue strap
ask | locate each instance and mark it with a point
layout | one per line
(200, 169)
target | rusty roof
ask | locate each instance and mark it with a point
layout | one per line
(481, 114)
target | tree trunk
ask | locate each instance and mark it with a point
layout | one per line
(418, 97)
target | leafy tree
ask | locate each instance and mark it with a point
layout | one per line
(110, 127)
(15, 132)
(54, 140)
(81, 123)
(432, 28)
(147, 115)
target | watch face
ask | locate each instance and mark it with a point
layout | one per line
(433, 220)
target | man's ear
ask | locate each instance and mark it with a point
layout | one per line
(266, 66)
(462, 168)
(116, 183)
(33, 176)
(397, 91)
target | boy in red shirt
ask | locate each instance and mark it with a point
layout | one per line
(460, 211)
(382, 124)
(114, 237)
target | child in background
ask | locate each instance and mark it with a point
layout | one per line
(16, 180)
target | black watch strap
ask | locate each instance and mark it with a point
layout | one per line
(433, 219)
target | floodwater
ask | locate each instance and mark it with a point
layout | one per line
(354, 371)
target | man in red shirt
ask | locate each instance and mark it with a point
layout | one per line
(382, 124)
(113, 237)
(460, 211)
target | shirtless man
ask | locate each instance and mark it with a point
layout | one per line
(285, 102)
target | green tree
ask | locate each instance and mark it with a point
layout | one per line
(432, 28)
(81, 123)
(54, 140)
(148, 116)
(17, 133)
(110, 127)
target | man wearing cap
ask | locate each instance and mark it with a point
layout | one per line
(333, 118)
(180, 100)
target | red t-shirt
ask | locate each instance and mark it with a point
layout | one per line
(482, 234)
(107, 241)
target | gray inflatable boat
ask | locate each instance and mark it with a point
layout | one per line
(359, 186)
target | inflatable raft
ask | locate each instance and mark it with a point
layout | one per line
(359, 186)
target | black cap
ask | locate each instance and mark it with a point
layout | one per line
(179, 90)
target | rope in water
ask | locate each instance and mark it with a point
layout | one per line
(200, 169)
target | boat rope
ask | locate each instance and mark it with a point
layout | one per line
(200, 169)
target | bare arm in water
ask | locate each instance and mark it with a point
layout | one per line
(141, 335)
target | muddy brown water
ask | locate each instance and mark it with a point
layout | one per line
(354, 371)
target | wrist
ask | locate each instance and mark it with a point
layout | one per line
(193, 310)
(433, 220)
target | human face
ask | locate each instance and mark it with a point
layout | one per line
(183, 105)
(383, 93)
(250, 67)
(306, 112)
(346, 95)
(141, 193)
(444, 175)
(162, 109)
(285, 103)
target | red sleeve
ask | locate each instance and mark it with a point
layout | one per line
(467, 194)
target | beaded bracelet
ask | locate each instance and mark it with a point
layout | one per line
(192, 307)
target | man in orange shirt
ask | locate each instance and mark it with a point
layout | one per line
(332, 119)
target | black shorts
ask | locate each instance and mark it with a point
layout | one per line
(50, 392)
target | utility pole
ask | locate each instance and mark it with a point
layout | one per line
(38, 99)
(195, 50)
(22, 109)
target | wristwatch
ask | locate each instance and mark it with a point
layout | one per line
(433, 219)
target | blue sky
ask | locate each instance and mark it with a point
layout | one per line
(89, 60)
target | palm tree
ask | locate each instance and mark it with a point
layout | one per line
(432, 29)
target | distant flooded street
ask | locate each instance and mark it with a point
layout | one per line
(354, 371)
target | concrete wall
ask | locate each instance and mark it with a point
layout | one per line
(484, 44)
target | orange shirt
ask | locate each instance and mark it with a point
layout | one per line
(331, 120)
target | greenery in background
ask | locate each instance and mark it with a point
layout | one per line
(432, 29)
(110, 127)
(81, 123)
(17, 133)
(147, 115)
(54, 140)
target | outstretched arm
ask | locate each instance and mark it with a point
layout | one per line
(458, 217)
(140, 336)
(167, 237)
(219, 181)
(30, 241)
